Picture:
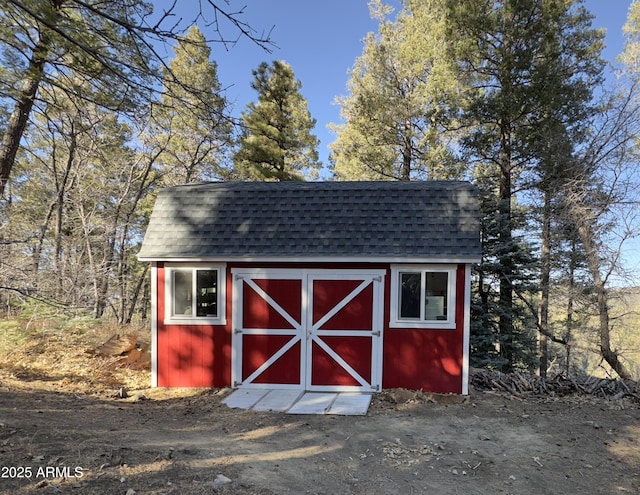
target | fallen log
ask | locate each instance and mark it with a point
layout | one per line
(117, 345)
(130, 353)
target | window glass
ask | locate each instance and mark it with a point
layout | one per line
(182, 296)
(207, 293)
(424, 296)
(435, 304)
(410, 295)
(195, 295)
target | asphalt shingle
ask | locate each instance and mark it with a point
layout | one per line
(433, 219)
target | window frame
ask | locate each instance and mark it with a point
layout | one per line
(169, 276)
(395, 321)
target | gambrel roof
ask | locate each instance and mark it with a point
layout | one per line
(433, 220)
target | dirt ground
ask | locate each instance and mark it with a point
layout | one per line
(63, 430)
(187, 442)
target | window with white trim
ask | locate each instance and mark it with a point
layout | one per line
(423, 296)
(195, 294)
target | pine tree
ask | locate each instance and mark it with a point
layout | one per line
(529, 64)
(401, 87)
(191, 121)
(89, 48)
(277, 141)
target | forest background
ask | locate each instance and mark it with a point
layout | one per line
(101, 105)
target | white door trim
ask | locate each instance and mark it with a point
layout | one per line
(315, 333)
(240, 275)
(306, 331)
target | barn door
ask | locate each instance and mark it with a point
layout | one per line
(344, 331)
(307, 329)
(268, 335)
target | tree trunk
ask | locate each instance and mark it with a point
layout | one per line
(57, 208)
(570, 304)
(136, 294)
(588, 238)
(20, 116)
(405, 172)
(505, 237)
(545, 261)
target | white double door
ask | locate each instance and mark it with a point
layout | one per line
(308, 329)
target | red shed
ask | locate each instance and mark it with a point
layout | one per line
(333, 286)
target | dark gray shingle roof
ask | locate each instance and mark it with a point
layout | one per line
(435, 219)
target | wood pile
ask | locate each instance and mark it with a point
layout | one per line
(522, 385)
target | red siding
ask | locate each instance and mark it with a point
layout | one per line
(200, 355)
(192, 355)
(427, 359)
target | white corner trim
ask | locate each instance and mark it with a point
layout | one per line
(154, 324)
(466, 330)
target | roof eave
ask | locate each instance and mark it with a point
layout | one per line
(315, 259)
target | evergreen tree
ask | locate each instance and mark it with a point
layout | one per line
(488, 343)
(277, 141)
(80, 186)
(191, 121)
(507, 83)
(76, 207)
(516, 55)
(83, 48)
(396, 114)
(630, 57)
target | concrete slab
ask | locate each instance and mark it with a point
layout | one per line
(313, 403)
(277, 400)
(244, 398)
(351, 404)
(300, 402)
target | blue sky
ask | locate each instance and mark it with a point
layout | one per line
(319, 39)
(322, 39)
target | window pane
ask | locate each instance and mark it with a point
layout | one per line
(182, 297)
(436, 295)
(207, 298)
(410, 295)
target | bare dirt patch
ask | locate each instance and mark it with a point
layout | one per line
(63, 431)
(488, 444)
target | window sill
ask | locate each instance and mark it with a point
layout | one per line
(425, 325)
(195, 321)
